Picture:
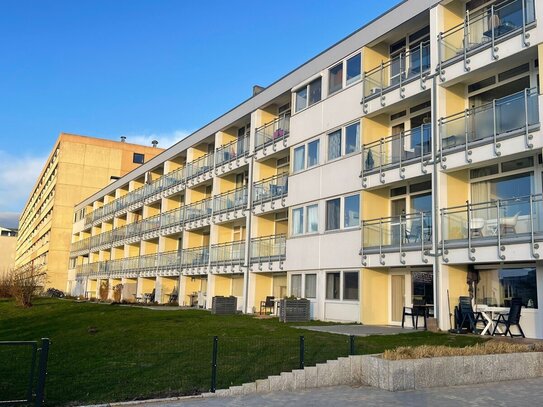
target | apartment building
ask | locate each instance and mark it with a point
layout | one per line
(403, 163)
(8, 240)
(76, 167)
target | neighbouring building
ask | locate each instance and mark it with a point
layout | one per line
(77, 167)
(403, 163)
(8, 241)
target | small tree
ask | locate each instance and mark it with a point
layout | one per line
(5, 285)
(104, 290)
(26, 282)
(117, 292)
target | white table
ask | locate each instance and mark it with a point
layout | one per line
(489, 314)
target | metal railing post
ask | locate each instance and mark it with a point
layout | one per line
(381, 254)
(440, 131)
(381, 174)
(443, 250)
(422, 237)
(401, 237)
(422, 79)
(470, 250)
(402, 170)
(527, 135)
(302, 352)
(532, 233)
(466, 135)
(402, 89)
(498, 228)
(382, 85)
(42, 372)
(466, 42)
(351, 344)
(525, 35)
(214, 364)
(493, 49)
(495, 128)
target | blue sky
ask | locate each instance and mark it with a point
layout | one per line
(144, 68)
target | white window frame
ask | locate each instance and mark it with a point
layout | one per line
(342, 212)
(305, 223)
(305, 146)
(341, 286)
(343, 132)
(307, 86)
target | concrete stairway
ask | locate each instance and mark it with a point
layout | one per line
(343, 371)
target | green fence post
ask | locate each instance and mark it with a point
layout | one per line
(42, 372)
(351, 345)
(214, 364)
(302, 351)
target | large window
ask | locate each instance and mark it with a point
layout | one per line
(309, 94)
(296, 285)
(344, 141)
(313, 153)
(333, 214)
(305, 219)
(299, 159)
(498, 286)
(352, 138)
(335, 78)
(342, 285)
(333, 286)
(310, 286)
(351, 212)
(312, 219)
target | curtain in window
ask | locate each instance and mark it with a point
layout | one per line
(299, 159)
(334, 145)
(332, 286)
(298, 221)
(332, 214)
(296, 285)
(310, 286)
(312, 219)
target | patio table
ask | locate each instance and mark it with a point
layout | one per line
(489, 314)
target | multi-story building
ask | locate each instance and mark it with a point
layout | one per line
(8, 240)
(76, 167)
(403, 163)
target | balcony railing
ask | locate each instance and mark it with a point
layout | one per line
(199, 166)
(232, 151)
(174, 217)
(490, 223)
(484, 28)
(169, 260)
(269, 189)
(151, 224)
(408, 65)
(198, 210)
(268, 249)
(230, 201)
(231, 253)
(133, 229)
(195, 257)
(400, 149)
(272, 132)
(398, 233)
(516, 112)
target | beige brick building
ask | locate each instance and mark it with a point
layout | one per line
(8, 240)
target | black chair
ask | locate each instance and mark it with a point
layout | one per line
(512, 318)
(268, 304)
(418, 309)
(467, 315)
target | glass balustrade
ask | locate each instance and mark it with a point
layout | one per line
(272, 132)
(195, 257)
(414, 229)
(275, 187)
(268, 248)
(230, 201)
(232, 151)
(228, 253)
(198, 210)
(199, 166)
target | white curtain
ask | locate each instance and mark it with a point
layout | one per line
(299, 158)
(334, 145)
(310, 286)
(312, 218)
(297, 221)
(296, 285)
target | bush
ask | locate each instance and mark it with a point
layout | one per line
(5, 285)
(117, 292)
(26, 282)
(104, 290)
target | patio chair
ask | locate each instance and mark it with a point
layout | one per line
(418, 309)
(509, 224)
(512, 318)
(268, 304)
(467, 315)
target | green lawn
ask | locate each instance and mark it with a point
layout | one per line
(104, 353)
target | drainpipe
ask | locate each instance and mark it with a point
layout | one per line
(435, 199)
(248, 237)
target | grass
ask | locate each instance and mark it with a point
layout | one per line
(487, 348)
(104, 353)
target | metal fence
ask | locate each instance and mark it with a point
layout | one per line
(23, 371)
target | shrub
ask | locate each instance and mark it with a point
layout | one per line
(26, 282)
(5, 285)
(117, 292)
(104, 290)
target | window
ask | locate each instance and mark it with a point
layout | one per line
(333, 286)
(298, 221)
(351, 211)
(497, 287)
(310, 286)
(334, 145)
(350, 285)
(308, 95)
(138, 158)
(299, 159)
(296, 285)
(312, 219)
(313, 153)
(335, 78)
(333, 214)
(353, 69)
(352, 138)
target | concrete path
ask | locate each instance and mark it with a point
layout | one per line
(359, 330)
(512, 393)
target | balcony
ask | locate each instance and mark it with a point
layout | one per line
(493, 231)
(232, 204)
(172, 221)
(150, 227)
(198, 213)
(483, 30)
(399, 151)
(228, 254)
(194, 258)
(397, 73)
(397, 241)
(269, 190)
(174, 181)
(466, 133)
(274, 134)
(199, 167)
(270, 250)
(233, 154)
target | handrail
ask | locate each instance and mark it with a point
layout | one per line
(272, 132)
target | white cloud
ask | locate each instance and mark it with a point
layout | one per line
(165, 140)
(18, 174)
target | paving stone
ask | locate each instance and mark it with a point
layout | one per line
(310, 377)
(287, 381)
(263, 386)
(299, 379)
(275, 383)
(249, 388)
